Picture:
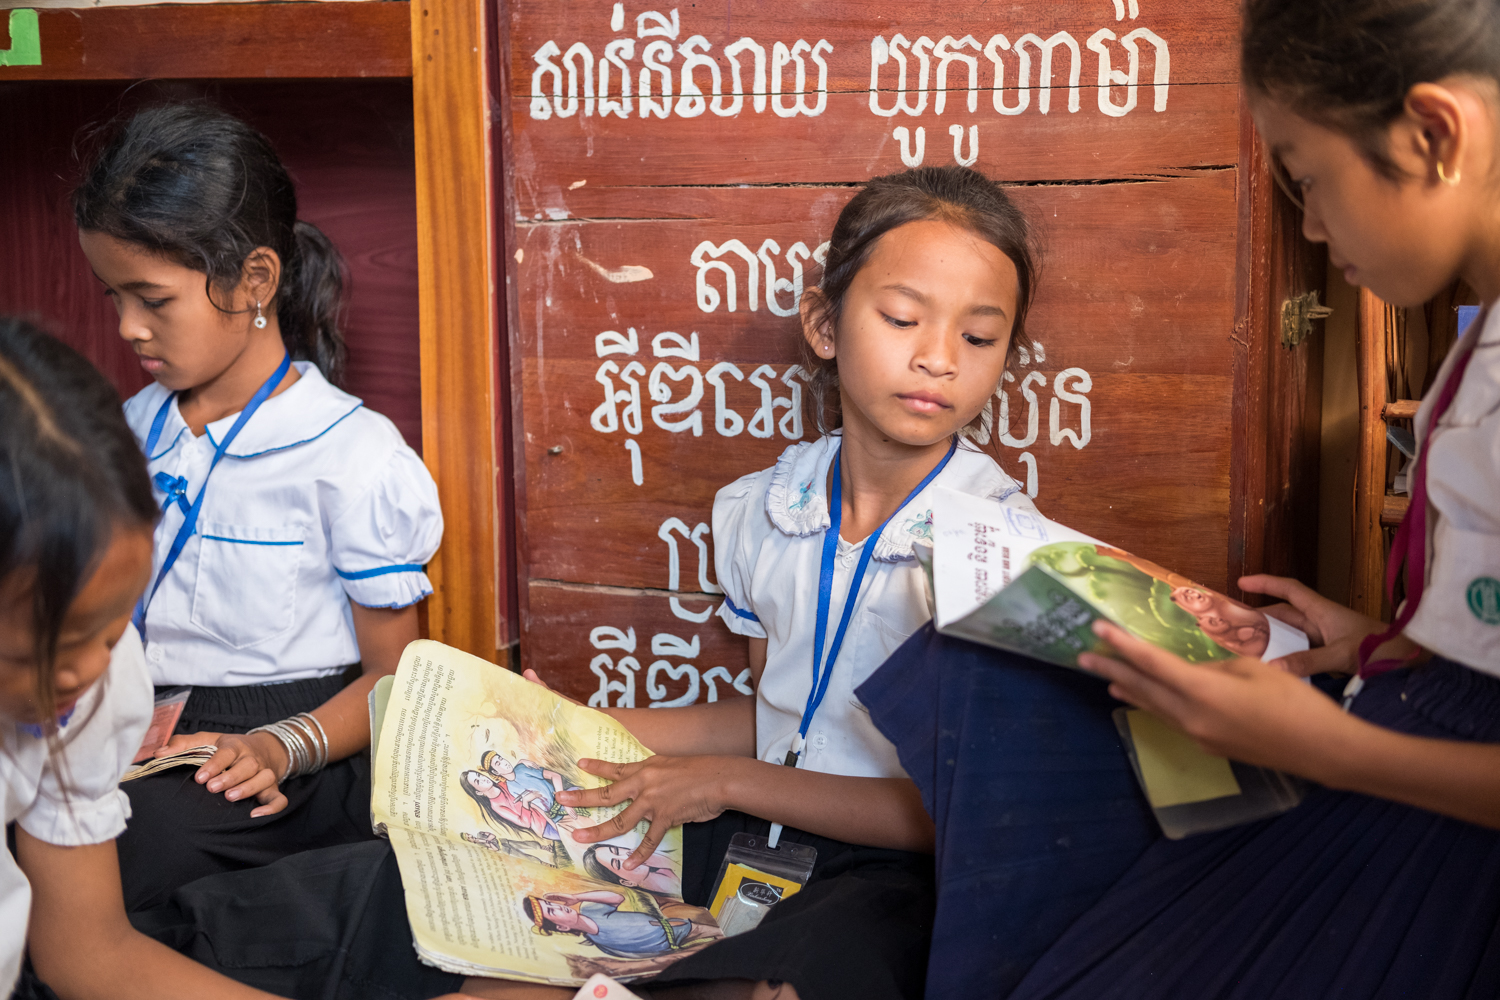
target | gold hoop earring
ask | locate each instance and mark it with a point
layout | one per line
(1452, 181)
(260, 317)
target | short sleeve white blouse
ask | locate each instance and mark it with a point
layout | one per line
(102, 734)
(1459, 616)
(317, 502)
(768, 541)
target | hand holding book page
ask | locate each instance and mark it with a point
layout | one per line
(1012, 579)
(466, 774)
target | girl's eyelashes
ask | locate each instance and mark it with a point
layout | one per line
(110, 293)
(978, 341)
(900, 324)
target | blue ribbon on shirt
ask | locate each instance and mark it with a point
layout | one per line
(175, 487)
(190, 512)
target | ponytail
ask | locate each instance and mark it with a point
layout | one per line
(205, 190)
(310, 301)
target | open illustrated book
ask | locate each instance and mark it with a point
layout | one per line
(1014, 580)
(467, 762)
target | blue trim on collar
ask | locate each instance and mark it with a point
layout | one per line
(283, 447)
(168, 449)
(748, 616)
(365, 574)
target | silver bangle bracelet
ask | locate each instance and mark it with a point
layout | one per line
(305, 741)
(296, 752)
(322, 735)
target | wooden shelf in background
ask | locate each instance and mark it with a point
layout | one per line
(1401, 409)
(223, 41)
(1393, 510)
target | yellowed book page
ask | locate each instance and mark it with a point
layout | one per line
(470, 759)
(1173, 769)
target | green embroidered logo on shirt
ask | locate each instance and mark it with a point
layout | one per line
(1484, 599)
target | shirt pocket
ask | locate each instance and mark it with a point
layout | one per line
(246, 591)
(879, 638)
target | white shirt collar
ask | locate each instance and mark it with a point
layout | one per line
(307, 409)
(797, 501)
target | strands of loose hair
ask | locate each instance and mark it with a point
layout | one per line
(71, 474)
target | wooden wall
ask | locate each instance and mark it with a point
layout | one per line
(347, 143)
(656, 239)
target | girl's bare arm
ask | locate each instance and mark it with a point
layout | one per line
(1256, 713)
(81, 942)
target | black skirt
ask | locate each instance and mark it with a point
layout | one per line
(179, 831)
(331, 924)
(860, 928)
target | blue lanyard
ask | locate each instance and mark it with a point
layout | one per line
(190, 514)
(823, 672)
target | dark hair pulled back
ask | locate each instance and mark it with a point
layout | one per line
(70, 472)
(1349, 64)
(959, 195)
(204, 189)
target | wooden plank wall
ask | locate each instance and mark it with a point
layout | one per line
(659, 237)
(347, 143)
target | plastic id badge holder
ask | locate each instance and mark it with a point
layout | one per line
(1194, 792)
(753, 878)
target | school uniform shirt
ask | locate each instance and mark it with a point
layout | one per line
(1459, 616)
(98, 740)
(317, 502)
(768, 532)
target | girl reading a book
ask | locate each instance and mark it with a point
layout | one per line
(923, 300)
(295, 522)
(76, 516)
(1383, 119)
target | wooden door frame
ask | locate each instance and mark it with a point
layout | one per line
(464, 403)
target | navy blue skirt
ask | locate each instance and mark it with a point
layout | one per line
(1054, 883)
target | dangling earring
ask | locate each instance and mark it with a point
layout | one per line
(260, 318)
(1453, 181)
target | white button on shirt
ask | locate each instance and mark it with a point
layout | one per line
(317, 502)
(102, 735)
(768, 543)
(1459, 616)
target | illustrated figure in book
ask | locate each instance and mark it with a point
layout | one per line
(528, 781)
(658, 874)
(648, 939)
(1176, 613)
(517, 817)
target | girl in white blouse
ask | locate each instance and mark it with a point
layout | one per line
(75, 550)
(923, 299)
(295, 522)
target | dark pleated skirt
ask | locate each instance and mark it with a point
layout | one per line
(179, 831)
(1345, 896)
(860, 928)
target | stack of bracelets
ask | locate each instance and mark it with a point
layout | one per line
(305, 742)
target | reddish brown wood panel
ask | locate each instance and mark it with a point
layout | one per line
(628, 646)
(348, 144)
(222, 41)
(631, 230)
(868, 73)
